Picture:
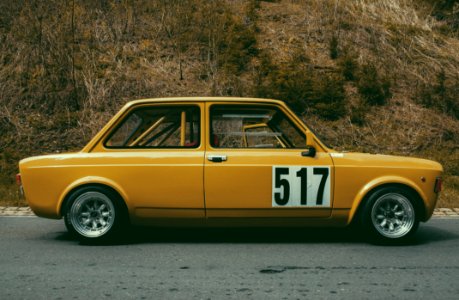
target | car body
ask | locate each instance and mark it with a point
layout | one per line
(208, 161)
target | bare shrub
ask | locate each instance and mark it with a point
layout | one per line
(304, 89)
(441, 95)
(374, 88)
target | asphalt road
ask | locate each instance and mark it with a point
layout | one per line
(38, 260)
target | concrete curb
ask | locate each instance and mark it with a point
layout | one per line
(16, 211)
(446, 212)
(27, 212)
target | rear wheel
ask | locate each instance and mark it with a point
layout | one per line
(94, 214)
(390, 215)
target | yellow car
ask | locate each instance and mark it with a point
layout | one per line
(225, 162)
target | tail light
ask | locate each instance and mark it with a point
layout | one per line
(18, 179)
(438, 185)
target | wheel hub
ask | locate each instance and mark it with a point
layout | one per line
(92, 214)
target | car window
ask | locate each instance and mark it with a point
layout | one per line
(158, 127)
(253, 127)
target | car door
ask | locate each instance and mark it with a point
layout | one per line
(255, 165)
(155, 154)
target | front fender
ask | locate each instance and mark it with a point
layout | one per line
(371, 185)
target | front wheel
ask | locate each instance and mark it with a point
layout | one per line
(93, 214)
(390, 215)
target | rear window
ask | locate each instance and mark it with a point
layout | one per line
(158, 127)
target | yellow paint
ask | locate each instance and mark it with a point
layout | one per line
(183, 129)
(160, 184)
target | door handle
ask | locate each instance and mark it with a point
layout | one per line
(216, 158)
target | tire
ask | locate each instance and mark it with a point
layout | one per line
(94, 214)
(391, 215)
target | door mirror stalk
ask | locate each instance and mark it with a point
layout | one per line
(310, 145)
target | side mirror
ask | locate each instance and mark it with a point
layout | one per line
(309, 152)
(310, 146)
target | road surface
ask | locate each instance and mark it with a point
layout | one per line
(39, 260)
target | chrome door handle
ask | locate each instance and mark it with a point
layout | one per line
(216, 158)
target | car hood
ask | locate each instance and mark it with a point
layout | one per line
(379, 160)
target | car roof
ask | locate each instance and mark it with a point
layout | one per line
(202, 99)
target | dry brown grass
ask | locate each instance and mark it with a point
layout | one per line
(398, 36)
(59, 84)
(392, 33)
(10, 196)
(450, 194)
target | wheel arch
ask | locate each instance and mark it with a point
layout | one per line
(373, 186)
(93, 181)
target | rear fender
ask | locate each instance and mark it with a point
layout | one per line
(88, 181)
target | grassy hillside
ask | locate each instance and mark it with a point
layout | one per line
(373, 76)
